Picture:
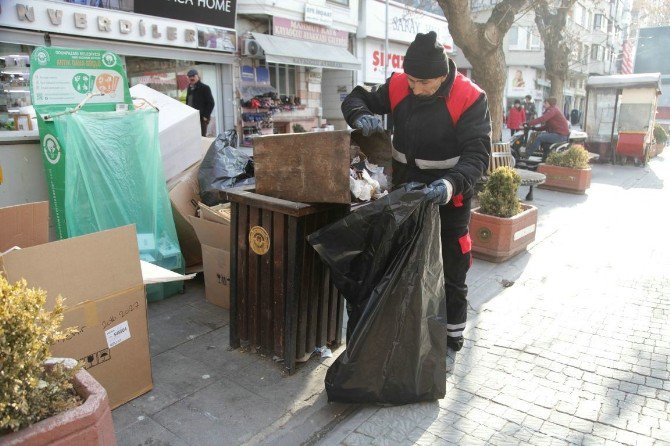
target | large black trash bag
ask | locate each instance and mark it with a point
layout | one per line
(386, 260)
(223, 167)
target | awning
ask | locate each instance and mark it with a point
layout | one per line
(638, 80)
(308, 54)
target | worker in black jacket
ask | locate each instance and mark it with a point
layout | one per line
(199, 96)
(442, 137)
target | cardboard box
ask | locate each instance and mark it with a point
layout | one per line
(178, 128)
(100, 277)
(215, 239)
(24, 225)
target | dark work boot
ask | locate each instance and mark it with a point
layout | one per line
(456, 344)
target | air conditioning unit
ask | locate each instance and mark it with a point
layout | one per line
(251, 48)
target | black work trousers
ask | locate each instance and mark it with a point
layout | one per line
(457, 259)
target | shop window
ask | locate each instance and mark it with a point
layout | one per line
(282, 77)
(521, 38)
(597, 52)
(15, 87)
(535, 40)
(578, 13)
(599, 22)
(513, 38)
(585, 54)
(167, 76)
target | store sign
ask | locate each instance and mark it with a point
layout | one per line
(65, 18)
(314, 76)
(520, 81)
(262, 76)
(247, 74)
(309, 32)
(318, 14)
(219, 13)
(376, 59)
(404, 23)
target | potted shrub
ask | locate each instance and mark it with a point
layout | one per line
(660, 138)
(501, 227)
(567, 171)
(44, 401)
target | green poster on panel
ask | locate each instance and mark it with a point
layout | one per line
(62, 79)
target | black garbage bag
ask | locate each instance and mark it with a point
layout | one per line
(223, 167)
(386, 260)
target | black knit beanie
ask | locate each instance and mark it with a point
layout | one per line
(425, 58)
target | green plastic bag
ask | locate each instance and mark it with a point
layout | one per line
(114, 177)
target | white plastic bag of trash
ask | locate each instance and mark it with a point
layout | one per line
(324, 352)
(366, 187)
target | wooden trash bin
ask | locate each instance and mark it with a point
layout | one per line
(283, 302)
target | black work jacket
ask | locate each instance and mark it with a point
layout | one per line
(203, 100)
(427, 144)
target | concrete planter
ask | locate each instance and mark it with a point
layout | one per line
(497, 239)
(565, 179)
(88, 424)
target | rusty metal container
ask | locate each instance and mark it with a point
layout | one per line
(283, 302)
(313, 167)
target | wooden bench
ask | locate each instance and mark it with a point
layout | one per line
(501, 155)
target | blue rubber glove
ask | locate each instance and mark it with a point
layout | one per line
(369, 124)
(440, 191)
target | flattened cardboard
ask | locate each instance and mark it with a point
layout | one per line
(217, 214)
(24, 225)
(184, 196)
(217, 276)
(99, 276)
(156, 274)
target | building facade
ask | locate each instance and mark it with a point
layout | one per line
(398, 26)
(651, 57)
(156, 49)
(296, 59)
(596, 30)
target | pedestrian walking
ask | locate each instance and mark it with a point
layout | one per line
(529, 107)
(199, 96)
(441, 138)
(516, 117)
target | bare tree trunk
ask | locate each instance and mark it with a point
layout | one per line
(490, 73)
(557, 84)
(552, 28)
(481, 44)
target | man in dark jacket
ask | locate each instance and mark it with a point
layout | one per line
(442, 137)
(529, 106)
(199, 96)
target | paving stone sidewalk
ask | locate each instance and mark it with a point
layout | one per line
(577, 350)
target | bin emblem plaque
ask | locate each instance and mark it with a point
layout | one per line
(259, 240)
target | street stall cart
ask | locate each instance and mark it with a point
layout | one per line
(620, 114)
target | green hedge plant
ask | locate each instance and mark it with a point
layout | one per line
(660, 135)
(499, 197)
(297, 128)
(576, 157)
(29, 391)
